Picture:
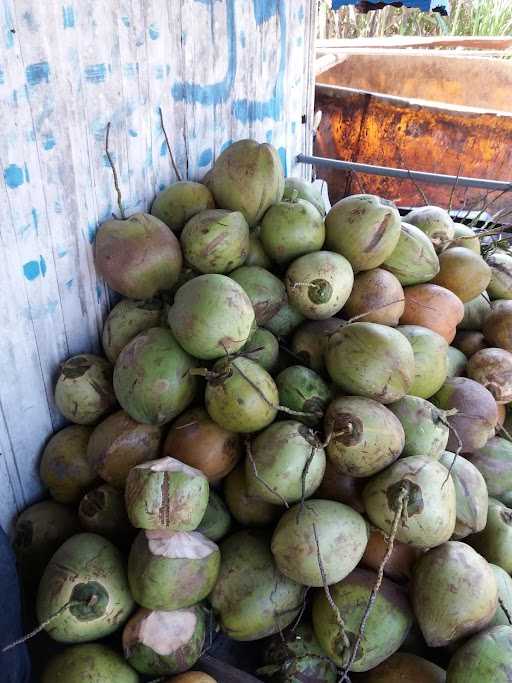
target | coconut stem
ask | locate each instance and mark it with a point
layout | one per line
(502, 429)
(302, 609)
(507, 613)
(259, 478)
(359, 182)
(453, 187)
(333, 605)
(41, 626)
(401, 508)
(168, 144)
(443, 420)
(372, 310)
(418, 188)
(303, 476)
(114, 173)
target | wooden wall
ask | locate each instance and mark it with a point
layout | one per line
(220, 69)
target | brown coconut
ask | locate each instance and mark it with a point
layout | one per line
(341, 487)
(400, 563)
(403, 667)
(469, 342)
(377, 297)
(434, 307)
(493, 369)
(497, 327)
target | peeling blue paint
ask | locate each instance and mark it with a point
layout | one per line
(2, 78)
(9, 24)
(13, 176)
(205, 158)
(35, 220)
(299, 41)
(95, 73)
(37, 73)
(161, 187)
(27, 175)
(163, 149)
(48, 141)
(91, 232)
(37, 311)
(264, 10)
(69, 283)
(57, 206)
(300, 13)
(15, 98)
(61, 252)
(132, 133)
(33, 269)
(153, 32)
(242, 38)
(268, 136)
(99, 292)
(294, 127)
(226, 144)
(282, 155)
(126, 21)
(158, 71)
(68, 16)
(131, 69)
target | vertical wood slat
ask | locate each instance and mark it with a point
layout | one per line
(220, 69)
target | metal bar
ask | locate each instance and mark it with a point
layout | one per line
(420, 176)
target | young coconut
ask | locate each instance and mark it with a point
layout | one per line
(475, 313)
(335, 525)
(464, 236)
(485, 657)
(125, 321)
(303, 390)
(251, 598)
(256, 255)
(405, 667)
(386, 628)
(430, 359)
(469, 342)
(263, 348)
(247, 510)
(494, 461)
(160, 643)
(285, 321)
(376, 297)
(192, 677)
(84, 392)
(166, 494)
(497, 327)
(493, 369)
(364, 228)
(414, 259)
(425, 427)
(200, 442)
(65, 468)
(217, 520)
(311, 339)
(367, 359)
(504, 610)
(215, 241)
(84, 593)
(400, 563)
(102, 511)
(341, 488)
(476, 416)
(319, 284)
(241, 396)
(456, 362)
(266, 292)
(93, 662)
(119, 443)
(211, 316)
(430, 505)
(434, 307)
(177, 203)
(495, 541)
(500, 286)
(302, 189)
(363, 436)
(169, 570)
(454, 593)
(137, 257)
(291, 228)
(471, 496)
(463, 272)
(284, 463)
(434, 222)
(247, 177)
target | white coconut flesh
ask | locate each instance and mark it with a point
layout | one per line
(185, 545)
(162, 632)
(169, 465)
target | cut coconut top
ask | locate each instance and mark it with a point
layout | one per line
(163, 632)
(189, 545)
(169, 465)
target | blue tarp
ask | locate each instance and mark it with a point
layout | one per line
(441, 6)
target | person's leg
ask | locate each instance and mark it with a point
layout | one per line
(15, 663)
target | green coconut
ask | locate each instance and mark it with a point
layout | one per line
(492, 368)
(215, 241)
(211, 316)
(152, 379)
(472, 498)
(494, 461)
(297, 188)
(424, 425)
(363, 436)
(169, 570)
(125, 321)
(319, 284)
(477, 415)
(280, 455)
(431, 505)
(265, 291)
(504, 609)
(484, 657)
(177, 203)
(403, 667)
(497, 327)
(84, 392)
(216, 521)
(247, 177)
(336, 525)
(85, 583)
(367, 359)
(435, 222)
(162, 643)
(285, 321)
(90, 662)
(119, 443)
(166, 494)
(363, 228)
(303, 390)
(102, 511)
(495, 541)
(386, 629)
(247, 510)
(65, 468)
(256, 255)
(464, 236)
(454, 593)
(311, 339)
(413, 261)
(430, 359)
(38, 532)
(500, 286)
(455, 362)
(463, 272)
(475, 312)
(251, 598)
(263, 348)
(291, 228)
(138, 257)
(242, 396)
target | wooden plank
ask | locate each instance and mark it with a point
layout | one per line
(476, 42)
